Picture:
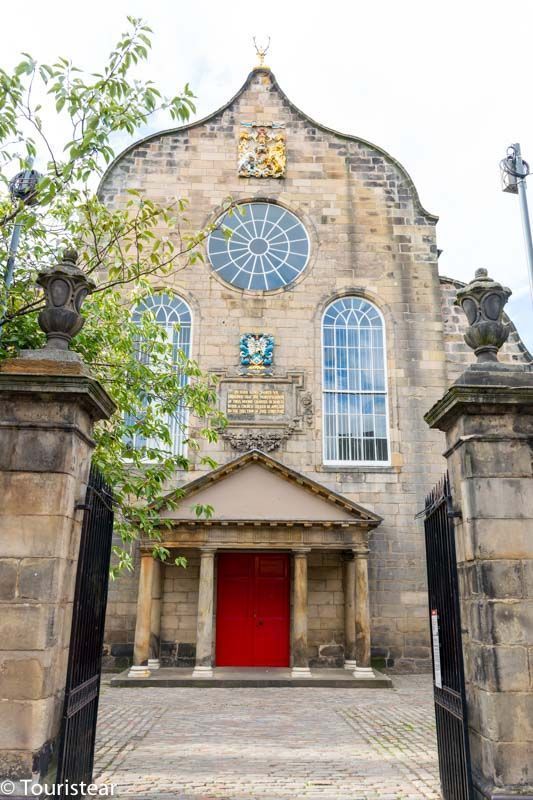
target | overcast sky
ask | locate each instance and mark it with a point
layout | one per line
(444, 86)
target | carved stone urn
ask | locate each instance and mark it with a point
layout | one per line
(65, 287)
(483, 301)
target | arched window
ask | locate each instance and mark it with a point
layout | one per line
(354, 383)
(175, 316)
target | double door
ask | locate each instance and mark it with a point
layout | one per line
(253, 610)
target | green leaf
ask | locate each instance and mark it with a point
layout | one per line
(134, 246)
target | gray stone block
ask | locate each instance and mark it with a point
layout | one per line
(37, 579)
(8, 578)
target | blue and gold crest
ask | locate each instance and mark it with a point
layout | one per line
(257, 350)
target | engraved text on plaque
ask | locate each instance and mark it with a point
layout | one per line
(268, 402)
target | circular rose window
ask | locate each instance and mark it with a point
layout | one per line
(260, 247)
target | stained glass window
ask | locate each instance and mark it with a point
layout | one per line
(354, 383)
(268, 247)
(174, 315)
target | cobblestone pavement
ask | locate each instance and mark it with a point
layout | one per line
(269, 744)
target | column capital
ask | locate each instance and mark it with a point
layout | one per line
(208, 550)
(300, 551)
(361, 552)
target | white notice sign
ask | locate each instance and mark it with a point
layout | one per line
(436, 646)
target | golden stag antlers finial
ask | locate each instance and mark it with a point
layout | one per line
(261, 52)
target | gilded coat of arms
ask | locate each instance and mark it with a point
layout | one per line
(262, 151)
(257, 350)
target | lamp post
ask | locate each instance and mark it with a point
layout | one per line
(514, 173)
(22, 188)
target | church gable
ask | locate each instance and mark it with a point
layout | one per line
(288, 132)
(257, 487)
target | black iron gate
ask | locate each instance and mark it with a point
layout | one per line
(445, 631)
(78, 729)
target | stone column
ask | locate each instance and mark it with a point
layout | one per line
(349, 611)
(48, 406)
(487, 416)
(143, 622)
(300, 661)
(204, 626)
(155, 622)
(362, 615)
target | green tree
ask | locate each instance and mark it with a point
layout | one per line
(121, 249)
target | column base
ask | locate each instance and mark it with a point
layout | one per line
(153, 663)
(363, 672)
(202, 672)
(139, 671)
(301, 672)
(350, 665)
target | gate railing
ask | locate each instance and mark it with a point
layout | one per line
(78, 728)
(445, 632)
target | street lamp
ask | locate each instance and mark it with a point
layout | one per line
(22, 188)
(514, 173)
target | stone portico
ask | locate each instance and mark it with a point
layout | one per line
(261, 508)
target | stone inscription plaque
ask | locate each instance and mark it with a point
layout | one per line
(265, 402)
(263, 411)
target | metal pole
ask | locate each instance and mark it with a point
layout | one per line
(526, 224)
(13, 247)
(10, 270)
(10, 266)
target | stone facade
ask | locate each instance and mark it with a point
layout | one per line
(370, 237)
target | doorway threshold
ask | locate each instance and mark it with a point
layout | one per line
(253, 677)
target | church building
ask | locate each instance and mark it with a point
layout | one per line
(331, 333)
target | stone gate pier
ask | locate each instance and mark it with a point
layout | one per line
(487, 416)
(48, 405)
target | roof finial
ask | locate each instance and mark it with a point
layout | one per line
(261, 53)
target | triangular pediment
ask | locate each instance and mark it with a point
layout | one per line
(257, 487)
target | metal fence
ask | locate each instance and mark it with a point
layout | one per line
(445, 630)
(78, 729)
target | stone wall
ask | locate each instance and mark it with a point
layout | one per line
(325, 626)
(458, 354)
(370, 237)
(120, 615)
(179, 612)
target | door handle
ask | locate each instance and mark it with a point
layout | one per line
(260, 622)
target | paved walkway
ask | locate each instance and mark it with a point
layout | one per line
(269, 744)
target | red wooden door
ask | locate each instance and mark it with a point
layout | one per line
(252, 610)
